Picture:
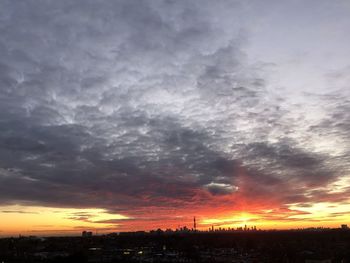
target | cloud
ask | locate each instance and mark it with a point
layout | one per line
(131, 106)
(219, 188)
(17, 212)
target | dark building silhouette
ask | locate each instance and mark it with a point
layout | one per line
(86, 234)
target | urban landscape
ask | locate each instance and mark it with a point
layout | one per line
(312, 245)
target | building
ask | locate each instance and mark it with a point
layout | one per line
(86, 234)
(318, 261)
(344, 226)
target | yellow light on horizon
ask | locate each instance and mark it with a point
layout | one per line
(18, 219)
(236, 220)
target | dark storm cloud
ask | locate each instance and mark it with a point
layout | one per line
(127, 104)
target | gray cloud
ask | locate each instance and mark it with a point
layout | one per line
(128, 104)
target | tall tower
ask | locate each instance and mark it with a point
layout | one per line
(194, 224)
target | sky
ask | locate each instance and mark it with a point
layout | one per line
(135, 115)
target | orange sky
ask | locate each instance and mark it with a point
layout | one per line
(242, 207)
(232, 210)
(33, 220)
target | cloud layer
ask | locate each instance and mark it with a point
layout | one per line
(146, 107)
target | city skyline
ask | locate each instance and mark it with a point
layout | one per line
(137, 115)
